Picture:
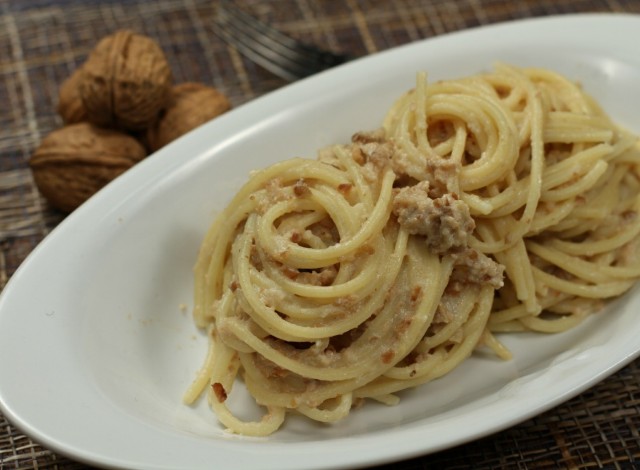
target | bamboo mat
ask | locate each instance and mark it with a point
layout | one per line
(42, 43)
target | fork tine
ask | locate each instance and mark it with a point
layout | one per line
(270, 56)
(276, 37)
(268, 47)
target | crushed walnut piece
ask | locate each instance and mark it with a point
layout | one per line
(444, 221)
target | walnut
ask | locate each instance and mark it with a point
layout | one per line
(70, 106)
(190, 105)
(126, 82)
(74, 162)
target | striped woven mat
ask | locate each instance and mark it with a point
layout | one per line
(42, 42)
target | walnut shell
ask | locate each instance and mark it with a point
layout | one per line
(70, 106)
(190, 105)
(126, 81)
(74, 162)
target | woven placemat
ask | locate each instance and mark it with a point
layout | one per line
(41, 44)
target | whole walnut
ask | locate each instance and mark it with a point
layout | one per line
(190, 105)
(70, 106)
(125, 82)
(74, 162)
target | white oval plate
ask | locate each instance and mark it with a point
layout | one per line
(95, 350)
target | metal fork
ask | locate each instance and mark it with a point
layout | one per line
(268, 47)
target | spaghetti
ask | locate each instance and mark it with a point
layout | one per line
(506, 201)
